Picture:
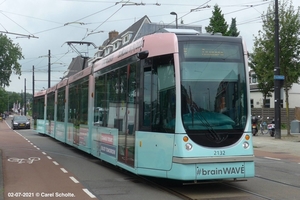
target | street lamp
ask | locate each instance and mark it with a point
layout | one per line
(174, 13)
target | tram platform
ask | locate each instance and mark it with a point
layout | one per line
(26, 172)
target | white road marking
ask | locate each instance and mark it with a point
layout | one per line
(272, 158)
(63, 170)
(55, 163)
(24, 160)
(74, 179)
(89, 193)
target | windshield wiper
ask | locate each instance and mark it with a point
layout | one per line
(213, 136)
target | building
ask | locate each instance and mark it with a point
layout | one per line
(257, 97)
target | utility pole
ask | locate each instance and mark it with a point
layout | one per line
(33, 107)
(49, 69)
(277, 81)
(25, 97)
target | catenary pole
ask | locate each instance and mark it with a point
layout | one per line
(49, 69)
(277, 84)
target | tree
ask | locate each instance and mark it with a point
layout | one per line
(10, 53)
(262, 63)
(233, 29)
(7, 100)
(263, 56)
(217, 23)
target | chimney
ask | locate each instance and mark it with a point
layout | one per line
(112, 35)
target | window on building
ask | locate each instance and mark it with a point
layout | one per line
(267, 103)
(254, 78)
(127, 37)
(252, 104)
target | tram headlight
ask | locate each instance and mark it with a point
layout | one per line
(188, 146)
(245, 145)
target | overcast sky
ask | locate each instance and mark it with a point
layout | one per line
(45, 25)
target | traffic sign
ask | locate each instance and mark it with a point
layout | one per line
(279, 77)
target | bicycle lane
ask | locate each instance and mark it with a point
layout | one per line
(30, 173)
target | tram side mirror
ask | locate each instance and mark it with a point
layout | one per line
(143, 55)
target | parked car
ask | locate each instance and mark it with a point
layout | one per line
(20, 121)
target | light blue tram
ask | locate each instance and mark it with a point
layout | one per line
(167, 105)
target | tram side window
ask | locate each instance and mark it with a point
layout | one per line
(78, 101)
(39, 108)
(50, 106)
(84, 103)
(72, 104)
(133, 84)
(166, 92)
(147, 97)
(113, 96)
(61, 105)
(159, 95)
(101, 102)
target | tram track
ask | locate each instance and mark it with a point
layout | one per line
(206, 190)
(193, 192)
(279, 182)
(266, 179)
(249, 192)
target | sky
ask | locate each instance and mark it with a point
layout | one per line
(38, 26)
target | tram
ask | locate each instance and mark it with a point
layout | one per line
(167, 105)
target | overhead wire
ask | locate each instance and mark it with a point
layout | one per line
(239, 10)
(16, 23)
(107, 18)
(3, 2)
(184, 15)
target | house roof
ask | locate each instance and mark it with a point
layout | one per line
(145, 27)
(134, 29)
(76, 65)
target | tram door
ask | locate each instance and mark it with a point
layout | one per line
(127, 114)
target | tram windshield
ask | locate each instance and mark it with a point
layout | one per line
(213, 86)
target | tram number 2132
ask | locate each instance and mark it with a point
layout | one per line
(219, 153)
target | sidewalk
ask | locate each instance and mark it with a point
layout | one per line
(287, 144)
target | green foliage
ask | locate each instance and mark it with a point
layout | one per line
(217, 24)
(283, 126)
(9, 55)
(233, 29)
(7, 99)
